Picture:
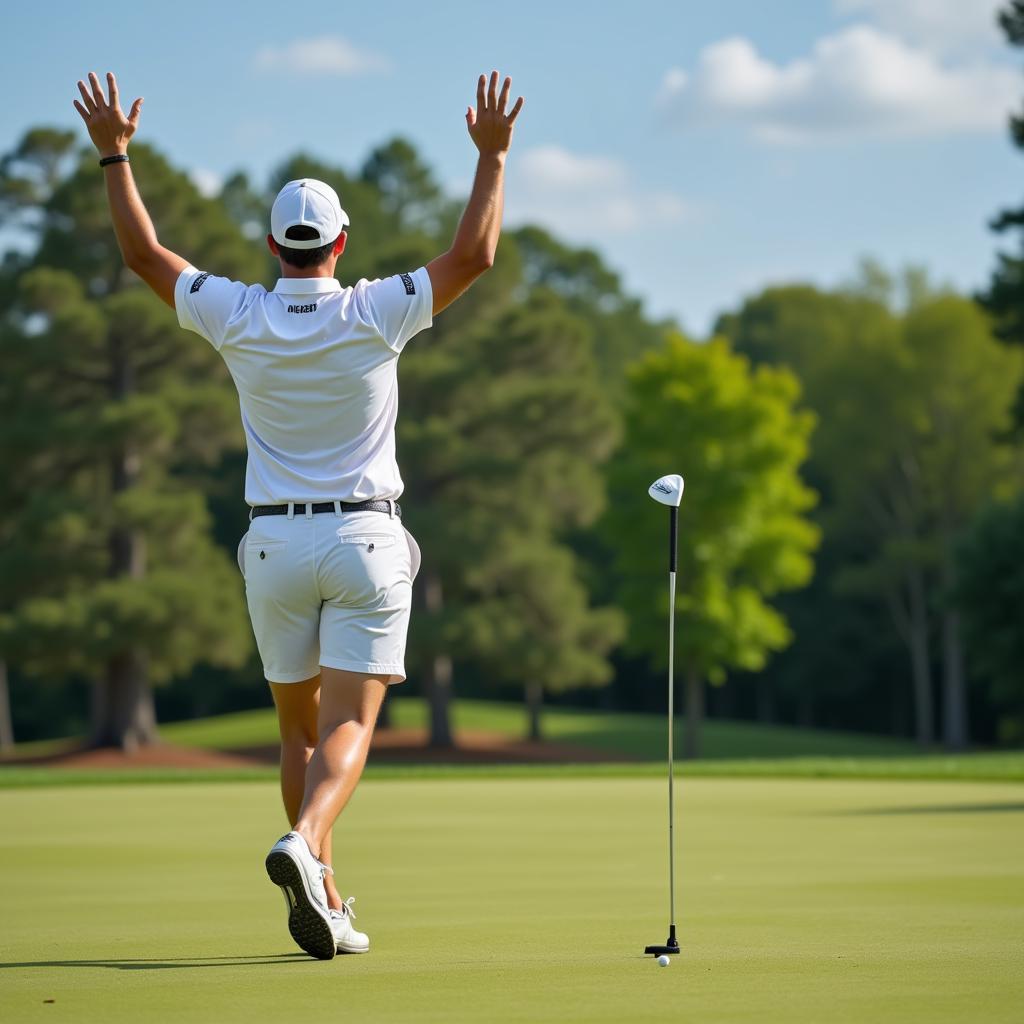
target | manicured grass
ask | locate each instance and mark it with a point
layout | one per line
(523, 900)
(636, 735)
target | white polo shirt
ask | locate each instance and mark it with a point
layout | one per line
(315, 366)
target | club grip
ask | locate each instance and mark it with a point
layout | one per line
(673, 537)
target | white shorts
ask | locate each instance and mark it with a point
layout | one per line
(329, 590)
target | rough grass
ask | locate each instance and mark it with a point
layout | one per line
(640, 736)
(991, 767)
(521, 900)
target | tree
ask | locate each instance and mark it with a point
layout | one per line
(734, 435)
(912, 403)
(1005, 295)
(112, 400)
(990, 594)
(1005, 298)
(504, 433)
(407, 189)
(592, 291)
(966, 384)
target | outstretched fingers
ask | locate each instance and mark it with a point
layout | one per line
(514, 112)
(503, 98)
(481, 98)
(97, 92)
(115, 100)
(492, 91)
(133, 116)
(90, 103)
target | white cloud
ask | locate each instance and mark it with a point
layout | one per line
(324, 55)
(941, 25)
(585, 196)
(857, 82)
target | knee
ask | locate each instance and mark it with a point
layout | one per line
(298, 736)
(350, 722)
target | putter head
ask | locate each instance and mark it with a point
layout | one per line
(667, 490)
(671, 944)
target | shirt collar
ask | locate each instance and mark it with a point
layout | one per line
(307, 285)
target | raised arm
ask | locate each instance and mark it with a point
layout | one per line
(476, 240)
(111, 132)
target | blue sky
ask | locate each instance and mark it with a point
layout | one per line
(705, 149)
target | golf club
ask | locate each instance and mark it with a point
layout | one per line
(668, 490)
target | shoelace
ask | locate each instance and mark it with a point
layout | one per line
(347, 909)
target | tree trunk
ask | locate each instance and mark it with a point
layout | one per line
(694, 715)
(534, 707)
(955, 728)
(6, 726)
(954, 704)
(805, 708)
(920, 661)
(439, 673)
(765, 701)
(123, 713)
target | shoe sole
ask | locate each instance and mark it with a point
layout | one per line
(345, 949)
(307, 927)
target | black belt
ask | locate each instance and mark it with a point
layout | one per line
(325, 506)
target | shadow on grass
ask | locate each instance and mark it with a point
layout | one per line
(177, 963)
(997, 808)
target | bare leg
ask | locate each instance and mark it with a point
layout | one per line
(297, 709)
(349, 702)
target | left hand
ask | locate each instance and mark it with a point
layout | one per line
(109, 129)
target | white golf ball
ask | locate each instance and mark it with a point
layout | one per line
(663, 961)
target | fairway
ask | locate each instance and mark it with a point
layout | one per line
(523, 900)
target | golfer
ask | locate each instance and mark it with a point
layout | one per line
(328, 566)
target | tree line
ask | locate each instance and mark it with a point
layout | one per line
(852, 458)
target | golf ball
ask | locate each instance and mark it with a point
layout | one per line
(663, 961)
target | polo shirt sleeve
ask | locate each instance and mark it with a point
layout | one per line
(398, 307)
(206, 304)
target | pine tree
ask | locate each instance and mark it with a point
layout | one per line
(1005, 296)
(120, 582)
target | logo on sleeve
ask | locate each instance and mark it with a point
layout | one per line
(410, 287)
(198, 283)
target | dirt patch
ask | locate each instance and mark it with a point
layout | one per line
(390, 746)
(160, 755)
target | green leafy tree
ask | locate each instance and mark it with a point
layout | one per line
(112, 401)
(990, 595)
(744, 533)
(965, 385)
(912, 395)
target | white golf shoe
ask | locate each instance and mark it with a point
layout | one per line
(292, 866)
(346, 938)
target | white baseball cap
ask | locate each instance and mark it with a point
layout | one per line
(312, 204)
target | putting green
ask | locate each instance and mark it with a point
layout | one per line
(524, 900)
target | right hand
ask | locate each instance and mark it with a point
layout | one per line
(490, 127)
(108, 127)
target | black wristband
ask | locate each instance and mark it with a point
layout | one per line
(118, 158)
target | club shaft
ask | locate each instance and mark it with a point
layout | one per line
(671, 757)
